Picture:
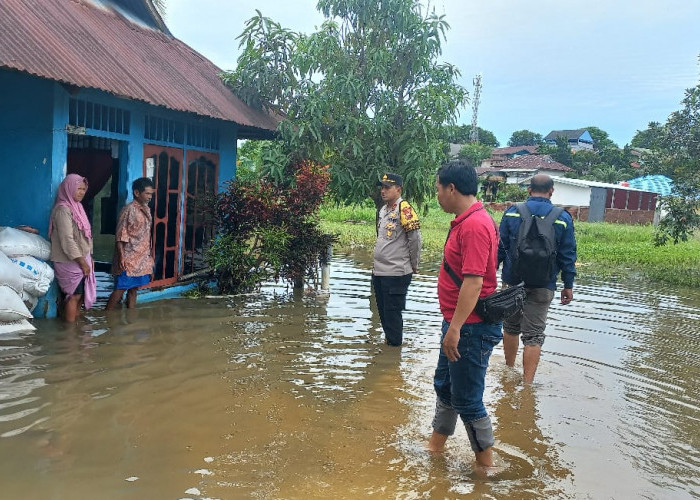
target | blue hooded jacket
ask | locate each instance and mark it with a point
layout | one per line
(564, 234)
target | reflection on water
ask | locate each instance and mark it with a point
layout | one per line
(284, 395)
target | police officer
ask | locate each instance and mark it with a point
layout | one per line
(396, 256)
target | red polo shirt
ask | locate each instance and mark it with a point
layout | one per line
(471, 248)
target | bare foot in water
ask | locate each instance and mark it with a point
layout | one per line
(437, 442)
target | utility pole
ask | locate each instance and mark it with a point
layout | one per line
(474, 136)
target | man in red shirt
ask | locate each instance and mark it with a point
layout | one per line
(467, 274)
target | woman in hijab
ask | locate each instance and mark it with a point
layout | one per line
(71, 247)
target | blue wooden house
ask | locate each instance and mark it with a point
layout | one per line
(578, 139)
(101, 88)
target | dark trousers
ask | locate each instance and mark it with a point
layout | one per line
(390, 294)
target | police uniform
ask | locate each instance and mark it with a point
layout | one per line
(396, 255)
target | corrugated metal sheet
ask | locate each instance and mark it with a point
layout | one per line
(530, 162)
(79, 43)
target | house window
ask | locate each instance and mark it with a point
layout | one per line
(164, 130)
(200, 136)
(92, 115)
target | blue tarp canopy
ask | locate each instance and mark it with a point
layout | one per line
(659, 184)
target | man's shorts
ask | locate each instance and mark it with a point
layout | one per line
(532, 320)
(124, 282)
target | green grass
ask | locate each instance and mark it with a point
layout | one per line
(604, 250)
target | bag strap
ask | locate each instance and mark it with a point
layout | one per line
(455, 277)
(553, 215)
(452, 274)
(525, 220)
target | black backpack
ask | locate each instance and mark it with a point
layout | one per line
(535, 252)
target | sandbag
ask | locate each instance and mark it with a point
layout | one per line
(36, 275)
(15, 242)
(29, 300)
(10, 274)
(11, 306)
(16, 326)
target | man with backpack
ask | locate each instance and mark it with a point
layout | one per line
(537, 243)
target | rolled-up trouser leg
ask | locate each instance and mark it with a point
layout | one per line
(445, 419)
(480, 433)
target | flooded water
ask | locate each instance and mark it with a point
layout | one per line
(277, 395)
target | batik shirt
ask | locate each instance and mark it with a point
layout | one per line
(397, 250)
(134, 229)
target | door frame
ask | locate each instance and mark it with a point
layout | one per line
(150, 150)
(193, 155)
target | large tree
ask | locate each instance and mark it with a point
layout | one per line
(461, 134)
(676, 153)
(648, 138)
(559, 151)
(366, 93)
(584, 161)
(525, 138)
(601, 139)
(475, 152)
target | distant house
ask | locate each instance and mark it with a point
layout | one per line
(520, 168)
(600, 201)
(578, 139)
(499, 155)
(101, 88)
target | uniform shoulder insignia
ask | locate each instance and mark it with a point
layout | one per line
(409, 217)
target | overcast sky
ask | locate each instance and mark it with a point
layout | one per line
(545, 64)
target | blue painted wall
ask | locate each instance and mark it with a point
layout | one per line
(34, 146)
(586, 136)
(26, 154)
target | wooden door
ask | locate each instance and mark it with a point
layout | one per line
(164, 166)
(201, 178)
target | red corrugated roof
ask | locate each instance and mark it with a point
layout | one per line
(88, 46)
(510, 150)
(528, 162)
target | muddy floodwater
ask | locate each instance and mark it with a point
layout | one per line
(283, 395)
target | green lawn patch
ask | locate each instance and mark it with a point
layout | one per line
(604, 250)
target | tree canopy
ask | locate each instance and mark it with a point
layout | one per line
(601, 139)
(366, 93)
(648, 138)
(525, 138)
(676, 154)
(475, 152)
(461, 134)
(560, 151)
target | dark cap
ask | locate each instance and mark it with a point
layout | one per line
(389, 180)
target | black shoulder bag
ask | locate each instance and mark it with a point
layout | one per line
(497, 306)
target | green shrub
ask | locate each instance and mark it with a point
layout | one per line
(269, 230)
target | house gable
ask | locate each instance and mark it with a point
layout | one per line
(577, 139)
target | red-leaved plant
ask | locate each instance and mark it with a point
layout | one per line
(270, 231)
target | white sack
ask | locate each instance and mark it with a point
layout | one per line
(29, 300)
(16, 242)
(10, 274)
(36, 275)
(11, 306)
(17, 326)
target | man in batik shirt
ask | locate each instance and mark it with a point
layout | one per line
(133, 262)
